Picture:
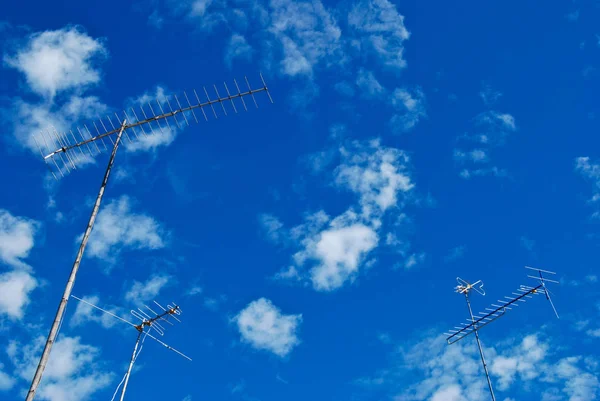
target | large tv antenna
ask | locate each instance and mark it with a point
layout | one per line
(148, 322)
(478, 321)
(63, 152)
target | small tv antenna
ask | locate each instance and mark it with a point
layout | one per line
(152, 321)
(64, 152)
(478, 321)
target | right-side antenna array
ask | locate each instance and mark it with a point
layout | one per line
(66, 151)
(477, 321)
(522, 294)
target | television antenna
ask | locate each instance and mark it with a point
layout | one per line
(148, 322)
(478, 321)
(64, 152)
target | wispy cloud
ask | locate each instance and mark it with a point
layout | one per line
(409, 109)
(491, 130)
(591, 171)
(119, 228)
(380, 30)
(528, 365)
(141, 292)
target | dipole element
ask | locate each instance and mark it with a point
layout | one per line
(69, 287)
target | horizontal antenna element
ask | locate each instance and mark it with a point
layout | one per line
(63, 152)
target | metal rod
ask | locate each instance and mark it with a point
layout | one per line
(71, 282)
(137, 342)
(487, 374)
(199, 102)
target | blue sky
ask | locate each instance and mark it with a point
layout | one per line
(313, 244)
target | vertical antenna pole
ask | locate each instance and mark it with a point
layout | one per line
(133, 356)
(487, 374)
(63, 302)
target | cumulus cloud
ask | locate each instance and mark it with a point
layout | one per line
(16, 238)
(6, 381)
(74, 372)
(15, 289)
(54, 61)
(333, 250)
(118, 228)
(60, 62)
(262, 325)
(378, 175)
(141, 292)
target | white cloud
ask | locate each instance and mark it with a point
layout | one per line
(591, 171)
(43, 119)
(272, 227)
(16, 238)
(85, 313)
(15, 289)
(414, 260)
(141, 292)
(72, 374)
(339, 251)
(379, 175)
(527, 366)
(118, 228)
(54, 61)
(368, 84)
(409, 109)
(455, 253)
(237, 48)
(334, 250)
(6, 382)
(155, 135)
(380, 29)
(308, 35)
(493, 128)
(264, 327)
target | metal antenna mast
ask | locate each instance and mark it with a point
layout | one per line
(476, 322)
(147, 323)
(63, 152)
(464, 287)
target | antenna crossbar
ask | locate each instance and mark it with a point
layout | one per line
(64, 145)
(489, 317)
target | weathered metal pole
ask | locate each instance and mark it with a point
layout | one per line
(63, 302)
(133, 358)
(487, 374)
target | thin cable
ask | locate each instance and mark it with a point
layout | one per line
(125, 375)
